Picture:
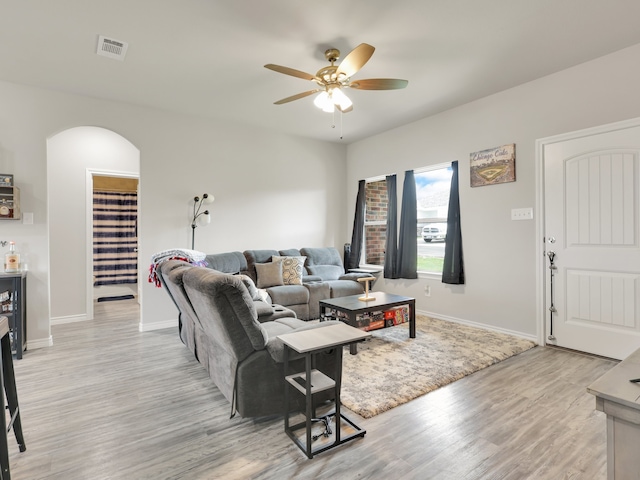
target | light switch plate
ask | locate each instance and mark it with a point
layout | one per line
(522, 214)
(27, 218)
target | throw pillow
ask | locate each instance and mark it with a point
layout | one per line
(269, 274)
(251, 287)
(292, 269)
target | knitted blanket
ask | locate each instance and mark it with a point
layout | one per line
(190, 256)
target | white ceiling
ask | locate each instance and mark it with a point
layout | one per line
(206, 57)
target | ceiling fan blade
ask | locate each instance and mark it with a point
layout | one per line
(379, 84)
(355, 60)
(297, 97)
(291, 71)
(346, 110)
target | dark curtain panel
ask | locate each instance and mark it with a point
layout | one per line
(408, 246)
(358, 228)
(391, 242)
(453, 269)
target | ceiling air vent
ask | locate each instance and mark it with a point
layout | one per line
(109, 47)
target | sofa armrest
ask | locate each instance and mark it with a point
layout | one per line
(275, 346)
(263, 309)
(355, 276)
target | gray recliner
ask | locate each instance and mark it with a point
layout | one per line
(188, 322)
(244, 356)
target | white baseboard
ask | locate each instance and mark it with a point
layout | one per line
(148, 327)
(40, 343)
(69, 319)
(484, 326)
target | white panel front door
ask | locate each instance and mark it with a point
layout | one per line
(592, 224)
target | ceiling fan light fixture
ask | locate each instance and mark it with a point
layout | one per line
(324, 102)
(340, 99)
(333, 78)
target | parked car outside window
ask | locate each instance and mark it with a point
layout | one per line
(434, 232)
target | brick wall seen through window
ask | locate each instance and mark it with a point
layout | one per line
(375, 229)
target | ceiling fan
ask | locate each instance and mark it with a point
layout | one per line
(333, 79)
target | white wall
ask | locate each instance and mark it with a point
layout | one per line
(500, 254)
(70, 154)
(272, 190)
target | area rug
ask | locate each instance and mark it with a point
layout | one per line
(391, 369)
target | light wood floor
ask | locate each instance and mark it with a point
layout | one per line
(108, 402)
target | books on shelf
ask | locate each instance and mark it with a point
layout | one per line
(368, 321)
(6, 305)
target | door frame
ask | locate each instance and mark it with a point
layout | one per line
(90, 173)
(542, 310)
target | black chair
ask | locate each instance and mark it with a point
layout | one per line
(8, 380)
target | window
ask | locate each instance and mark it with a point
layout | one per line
(432, 202)
(375, 222)
(433, 185)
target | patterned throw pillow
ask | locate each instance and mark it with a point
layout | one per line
(292, 269)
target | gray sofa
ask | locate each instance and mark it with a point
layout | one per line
(233, 333)
(323, 276)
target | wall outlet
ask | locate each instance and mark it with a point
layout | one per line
(427, 291)
(522, 214)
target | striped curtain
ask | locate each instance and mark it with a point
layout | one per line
(115, 238)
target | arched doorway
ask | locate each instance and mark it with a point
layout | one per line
(73, 157)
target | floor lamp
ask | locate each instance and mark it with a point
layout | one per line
(202, 218)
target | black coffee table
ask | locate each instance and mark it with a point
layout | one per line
(351, 307)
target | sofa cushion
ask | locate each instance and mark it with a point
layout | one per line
(290, 252)
(344, 288)
(326, 272)
(288, 295)
(269, 274)
(323, 256)
(230, 262)
(292, 269)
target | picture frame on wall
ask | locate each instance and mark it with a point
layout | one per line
(493, 166)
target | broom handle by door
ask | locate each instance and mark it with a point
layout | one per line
(552, 309)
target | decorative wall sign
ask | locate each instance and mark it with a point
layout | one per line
(495, 165)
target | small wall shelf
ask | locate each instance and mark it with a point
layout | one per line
(9, 203)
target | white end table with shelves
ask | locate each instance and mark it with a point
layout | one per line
(310, 342)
